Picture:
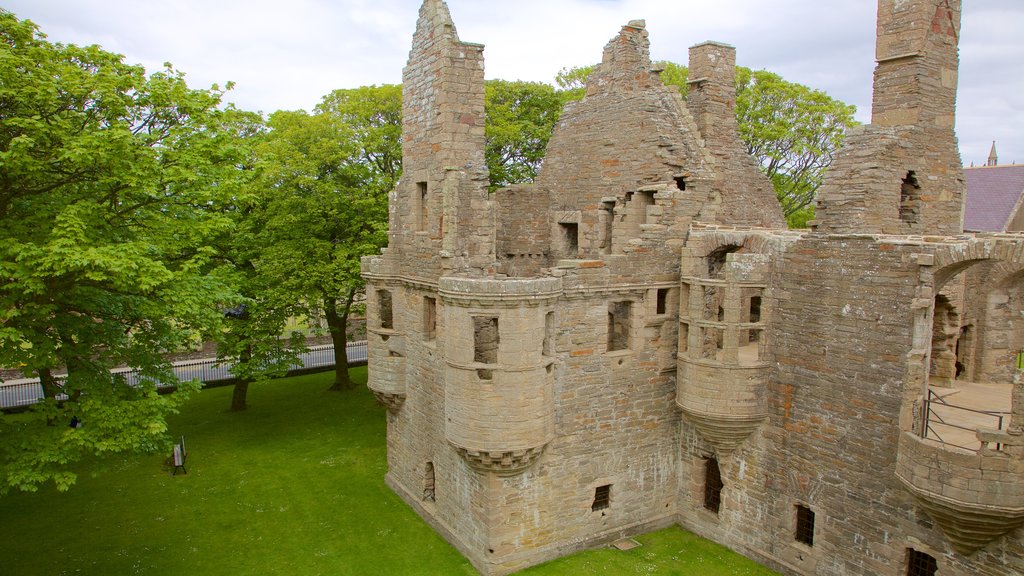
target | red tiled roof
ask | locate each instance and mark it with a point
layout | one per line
(992, 192)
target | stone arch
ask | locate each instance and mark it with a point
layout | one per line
(932, 360)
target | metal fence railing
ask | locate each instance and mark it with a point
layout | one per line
(18, 393)
(944, 422)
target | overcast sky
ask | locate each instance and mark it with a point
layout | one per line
(287, 55)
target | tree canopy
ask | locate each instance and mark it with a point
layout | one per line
(519, 119)
(791, 129)
(324, 184)
(106, 176)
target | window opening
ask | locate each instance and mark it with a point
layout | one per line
(712, 485)
(910, 199)
(609, 220)
(384, 308)
(920, 563)
(1020, 360)
(548, 348)
(755, 309)
(422, 221)
(571, 238)
(618, 326)
(662, 301)
(428, 483)
(712, 343)
(717, 260)
(680, 182)
(602, 497)
(684, 336)
(485, 343)
(804, 525)
(429, 318)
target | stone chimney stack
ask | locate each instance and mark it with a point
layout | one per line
(712, 90)
(441, 206)
(744, 196)
(916, 76)
(902, 174)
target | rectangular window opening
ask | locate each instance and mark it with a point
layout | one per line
(602, 498)
(712, 485)
(429, 318)
(570, 238)
(910, 199)
(755, 309)
(485, 343)
(921, 564)
(428, 482)
(384, 309)
(549, 335)
(422, 216)
(608, 213)
(662, 301)
(684, 337)
(618, 326)
(804, 525)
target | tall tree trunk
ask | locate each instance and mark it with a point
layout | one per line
(238, 394)
(241, 388)
(49, 382)
(337, 324)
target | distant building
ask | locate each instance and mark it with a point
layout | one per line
(994, 193)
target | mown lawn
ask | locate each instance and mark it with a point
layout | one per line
(292, 486)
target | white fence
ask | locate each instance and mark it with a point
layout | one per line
(15, 393)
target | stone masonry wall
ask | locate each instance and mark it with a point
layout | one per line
(743, 194)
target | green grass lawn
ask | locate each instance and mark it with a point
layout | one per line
(294, 485)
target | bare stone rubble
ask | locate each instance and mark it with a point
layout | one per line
(635, 341)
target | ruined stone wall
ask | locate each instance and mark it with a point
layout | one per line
(615, 426)
(743, 195)
(440, 208)
(629, 132)
(842, 327)
(523, 232)
(902, 174)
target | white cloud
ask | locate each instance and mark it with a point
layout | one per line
(289, 54)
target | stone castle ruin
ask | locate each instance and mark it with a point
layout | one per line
(636, 341)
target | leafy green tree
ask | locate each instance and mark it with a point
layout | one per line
(793, 131)
(519, 118)
(251, 338)
(325, 181)
(105, 180)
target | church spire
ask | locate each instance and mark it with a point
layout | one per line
(993, 158)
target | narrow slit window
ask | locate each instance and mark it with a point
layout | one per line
(548, 348)
(422, 216)
(428, 483)
(661, 306)
(921, 564)
(618, 326)
(602, 498)
(384, 308)
(804, 525)
(712, 485)
(485, 343)
(684, 337)
(429, 318)
(608, 209)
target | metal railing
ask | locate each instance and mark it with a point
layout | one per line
(935, 423)
(18, 393)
